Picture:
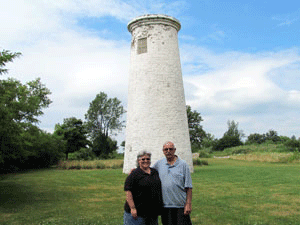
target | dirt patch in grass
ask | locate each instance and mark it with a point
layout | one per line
(280, 210)
(288, 212)
(92, 187)
(287, 198)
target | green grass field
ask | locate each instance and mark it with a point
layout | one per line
(226, 191)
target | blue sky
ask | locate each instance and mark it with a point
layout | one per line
(240, 59)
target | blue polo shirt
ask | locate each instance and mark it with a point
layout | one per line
(174, 179)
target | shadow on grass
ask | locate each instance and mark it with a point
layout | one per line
(14, 196)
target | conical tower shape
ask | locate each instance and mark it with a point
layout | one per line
(156, 110)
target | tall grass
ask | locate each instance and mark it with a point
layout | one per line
(262, 148)
(264, 157)
(91, 164)
(267, 152)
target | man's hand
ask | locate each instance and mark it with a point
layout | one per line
(134, 213)
(187, 209)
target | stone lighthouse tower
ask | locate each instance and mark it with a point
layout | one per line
(156, 103)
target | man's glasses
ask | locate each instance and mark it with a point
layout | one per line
(144, 159)
(170, 149)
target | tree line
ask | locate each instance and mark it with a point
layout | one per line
(233, 136)
(23, 145)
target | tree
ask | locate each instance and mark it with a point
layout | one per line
(233, 130)
(104, 147)
(256, 138)
(74, 133)
(40, 149)
(24, 103)
(5, 57)
(209, 141)
(226, 142)
(123, 146)
(231, 138)
(104, 115)
(197, 134)
(20, 105)
(272, 136)
(293, 144)
(103, 118)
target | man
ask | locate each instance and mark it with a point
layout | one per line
(177, 187)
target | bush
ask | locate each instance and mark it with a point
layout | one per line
(94, 164)
(293, 145)
(195, 148)
(256, 138)
(72, 167)
(100, 165)
(227, 142)
(199, 162)
(209, 141)
(117, 166)
(293, 157)
(241, 151)
(204, 154)
(84, 166)
(104, 147)
(82, 154)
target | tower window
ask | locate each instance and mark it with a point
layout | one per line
(142, 46)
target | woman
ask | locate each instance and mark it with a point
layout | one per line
(143, 192)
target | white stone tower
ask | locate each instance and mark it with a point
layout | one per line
(156, 103)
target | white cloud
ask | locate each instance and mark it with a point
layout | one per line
(238, 79)
(240, 86)
(75, 69)
(287, 19)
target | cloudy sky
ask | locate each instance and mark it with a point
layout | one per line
(240, 59)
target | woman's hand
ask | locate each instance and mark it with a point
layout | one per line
(134, 213)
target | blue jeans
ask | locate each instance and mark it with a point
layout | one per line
(129, 220)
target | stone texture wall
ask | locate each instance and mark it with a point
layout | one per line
(156, 103)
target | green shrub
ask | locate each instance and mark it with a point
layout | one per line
(293, 145)
(117, 166)
(62, 165)
(256, 139)
(293, 157)
(100, 165)
(195, 148)
(199, 162)
(241, 151)
(84, 166)
(82, 154)
(227, 142)
(204, 154)
(72, 167)
(93, 164)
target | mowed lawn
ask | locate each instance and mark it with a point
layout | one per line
(225, 192)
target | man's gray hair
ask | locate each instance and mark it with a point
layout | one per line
(167, 143)
(140, 154)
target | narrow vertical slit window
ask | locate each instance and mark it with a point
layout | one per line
(142, 46)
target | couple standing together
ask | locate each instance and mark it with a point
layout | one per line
(164, 189)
